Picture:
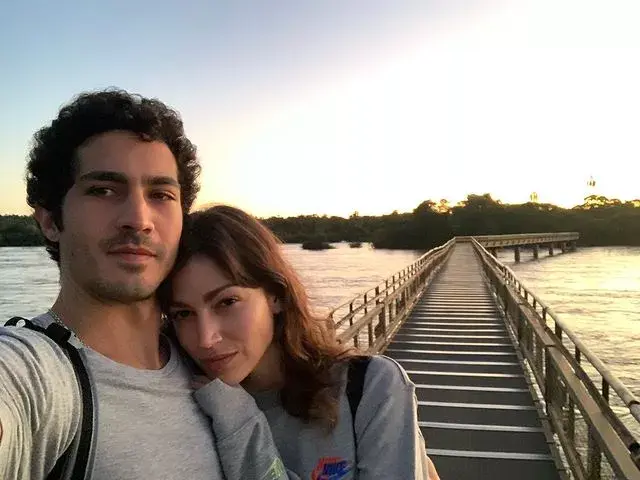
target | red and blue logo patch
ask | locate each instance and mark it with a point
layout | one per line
(331, 468)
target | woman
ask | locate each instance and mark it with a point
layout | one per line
(242, 314)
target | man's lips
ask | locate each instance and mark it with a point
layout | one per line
(132, 250)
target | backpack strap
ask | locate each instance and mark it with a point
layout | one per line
(61, 335)
(355, 383)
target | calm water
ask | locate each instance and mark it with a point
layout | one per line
(595, 290)
(29, 279)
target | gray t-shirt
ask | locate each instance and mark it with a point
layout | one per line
(387, 444)
(148, 424)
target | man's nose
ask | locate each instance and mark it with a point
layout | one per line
(136, 213)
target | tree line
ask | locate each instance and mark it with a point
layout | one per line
(599, 220)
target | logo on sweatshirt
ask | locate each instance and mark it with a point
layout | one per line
(331, 468)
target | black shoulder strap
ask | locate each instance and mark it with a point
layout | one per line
(61, 335)
(355, 382)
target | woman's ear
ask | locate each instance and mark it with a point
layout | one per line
(275, 305)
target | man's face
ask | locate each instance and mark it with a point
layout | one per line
(122, 218)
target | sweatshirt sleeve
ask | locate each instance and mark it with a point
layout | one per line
(245, 444)
(39, 403)
(389, 441)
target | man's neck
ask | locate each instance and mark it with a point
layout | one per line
(127, 334)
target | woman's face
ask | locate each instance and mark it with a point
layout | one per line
(224, 327)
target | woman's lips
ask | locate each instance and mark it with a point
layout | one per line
(215, 364)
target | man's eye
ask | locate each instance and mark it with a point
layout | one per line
(100, 191)
(164, 196)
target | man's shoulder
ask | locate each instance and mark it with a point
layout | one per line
(40, 402)
(33, 348)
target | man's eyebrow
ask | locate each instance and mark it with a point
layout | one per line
(117, 177)
(161, 180)
(104, 176)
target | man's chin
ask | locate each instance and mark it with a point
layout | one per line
(124, 292)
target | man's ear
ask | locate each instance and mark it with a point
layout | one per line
(47, 225)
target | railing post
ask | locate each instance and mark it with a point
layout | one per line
(550, 385)
(520, 326)
(403, 295)
(561, 391)
(382, 327)
(355, 339)
(389, 306)
(356, 342)
(571, 408)
(571, 420)
(594, 458)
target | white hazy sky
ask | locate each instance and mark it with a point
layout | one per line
(340, 106)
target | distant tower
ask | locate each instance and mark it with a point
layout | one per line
(533, 197)
(591, 187)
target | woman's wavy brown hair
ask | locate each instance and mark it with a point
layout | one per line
(250, 255)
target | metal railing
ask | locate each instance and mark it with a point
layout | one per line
(520, 239)
(595, 441)
(387, 304)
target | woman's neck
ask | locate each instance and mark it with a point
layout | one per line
(268, 374)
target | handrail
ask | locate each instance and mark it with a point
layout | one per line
(564, 382)
(389, 302)
(418, 262)
(558, 235)
(631, 401)
(522, 239)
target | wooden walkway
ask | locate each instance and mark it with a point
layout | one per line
(475, 404)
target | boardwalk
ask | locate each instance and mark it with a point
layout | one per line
(475, 406)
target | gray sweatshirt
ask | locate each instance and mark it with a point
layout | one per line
(148, 424)
(389, 441)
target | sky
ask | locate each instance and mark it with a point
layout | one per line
(336, 106)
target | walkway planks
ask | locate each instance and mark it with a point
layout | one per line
(475, 406)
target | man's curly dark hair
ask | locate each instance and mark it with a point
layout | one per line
(52, 159)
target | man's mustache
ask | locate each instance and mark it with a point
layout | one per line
(127, 238)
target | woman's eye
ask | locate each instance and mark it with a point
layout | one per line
(227, 302)
(179, 314)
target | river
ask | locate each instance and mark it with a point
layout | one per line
(596, 291)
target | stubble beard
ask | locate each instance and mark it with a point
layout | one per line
(131, 289)
(121, 292)
(134, 288)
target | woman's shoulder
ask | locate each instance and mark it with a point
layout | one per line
(384, 371)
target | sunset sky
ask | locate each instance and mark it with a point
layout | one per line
(333, 106)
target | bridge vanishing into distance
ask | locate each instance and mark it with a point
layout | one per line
(505, 389)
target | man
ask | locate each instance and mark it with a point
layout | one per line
(110, 181)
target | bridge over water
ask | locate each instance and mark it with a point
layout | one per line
(505, 389)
